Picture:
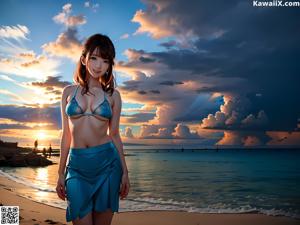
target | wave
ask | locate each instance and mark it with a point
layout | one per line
(143, 204)
(26, 182)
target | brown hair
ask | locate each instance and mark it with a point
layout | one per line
(106, 50)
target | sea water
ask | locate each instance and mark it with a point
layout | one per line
(206, 181)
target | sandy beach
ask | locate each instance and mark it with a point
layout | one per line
(36, 213)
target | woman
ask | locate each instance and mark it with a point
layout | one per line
(96, 173)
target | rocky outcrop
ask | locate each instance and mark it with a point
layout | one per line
(16, 157)
(8, 144)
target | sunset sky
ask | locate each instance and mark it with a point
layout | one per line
(200, 74)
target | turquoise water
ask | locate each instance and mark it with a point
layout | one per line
(227, 181)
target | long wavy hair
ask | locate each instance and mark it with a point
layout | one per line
(106, 50)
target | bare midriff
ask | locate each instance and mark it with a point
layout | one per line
(88, 131)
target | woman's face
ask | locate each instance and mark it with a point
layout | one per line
(96, 65)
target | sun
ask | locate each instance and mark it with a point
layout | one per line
(41, 135)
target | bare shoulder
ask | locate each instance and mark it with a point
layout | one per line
(116, 93)
(116, 96)
(67, 90)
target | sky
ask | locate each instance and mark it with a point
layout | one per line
(190, 73)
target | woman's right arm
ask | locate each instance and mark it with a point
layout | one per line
(66, 134)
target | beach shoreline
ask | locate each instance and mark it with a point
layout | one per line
(32, 212)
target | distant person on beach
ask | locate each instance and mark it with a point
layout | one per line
(96, 174)
(50, 151)
(35, 146)
(44, 152)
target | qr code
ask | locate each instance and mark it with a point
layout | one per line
(9, 215)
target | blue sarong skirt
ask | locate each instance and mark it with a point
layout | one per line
(92, 180)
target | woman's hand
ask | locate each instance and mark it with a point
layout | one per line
(124, 186)
(60, 187)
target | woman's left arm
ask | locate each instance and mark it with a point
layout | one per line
(115, 136)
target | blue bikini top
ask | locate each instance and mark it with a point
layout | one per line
(102, 110)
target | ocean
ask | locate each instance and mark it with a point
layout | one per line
(207, 181)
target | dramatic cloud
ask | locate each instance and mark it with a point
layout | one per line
(148, 24)
(12, 124)
(156, 131)
(52, 82)
(66, 45)
(243, 57)
(284, 138)
(177, 131)
(14, 32)
(25, 115)
(65, 18)
(128, 132)
(185, 21)
(232, 115)
(182, 131)
(30, 66)
(270, 138)
(136, 118)
(36, 93)
(253, 122)
(244, 138)
(174, 89)
(52, 86)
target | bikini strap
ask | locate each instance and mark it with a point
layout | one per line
(105, 98)
(75, 92)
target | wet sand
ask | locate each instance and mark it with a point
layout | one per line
(33, 213)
